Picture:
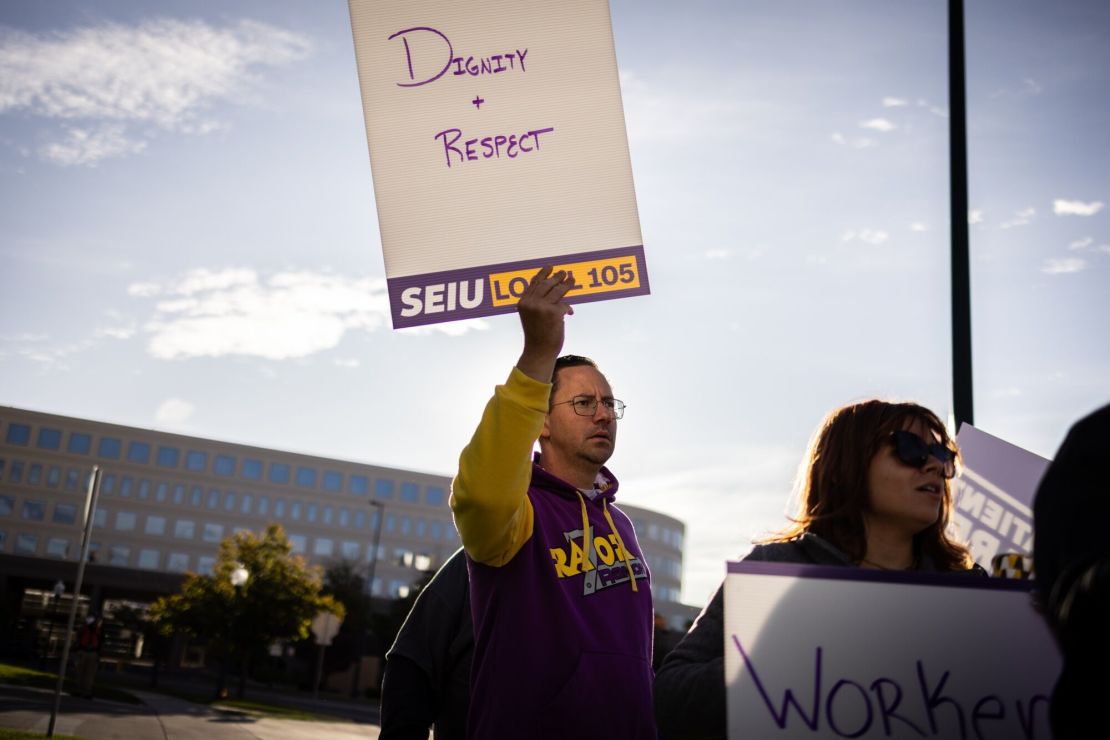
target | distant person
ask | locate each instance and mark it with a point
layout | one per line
(874, 494)
(559, 590)
(89, 640)
(427, 671)
(1071, 564)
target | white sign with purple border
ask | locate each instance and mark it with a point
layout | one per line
(825, 652)
(497, 145)
(993, 497)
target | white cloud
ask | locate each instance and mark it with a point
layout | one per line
(1104, 248)
(1081, 243)
(174, 411)
(1076, 207)
(116, 332)
(88, 146)
(868, 236)
(718, 254)
(891, 102)
(213, 313)
(975, 216)
(1063, 266)
(345, 362)
(1021, 218)
(878, 124)
(918, 226)
(658, 113)
(859, 142)
(160, 74)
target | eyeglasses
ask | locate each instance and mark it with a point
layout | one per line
(915, 452)
(587, 406)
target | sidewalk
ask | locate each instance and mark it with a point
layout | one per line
(160, 717)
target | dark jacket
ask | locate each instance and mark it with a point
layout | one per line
(690, 685)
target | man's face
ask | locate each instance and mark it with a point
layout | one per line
(576, 440)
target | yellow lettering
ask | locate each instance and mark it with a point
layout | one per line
(560, 558)
(618, 551)
(578, 560)
(604, 551)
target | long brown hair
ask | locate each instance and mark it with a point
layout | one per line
(833, 481)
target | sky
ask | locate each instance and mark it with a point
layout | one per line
(189, 238)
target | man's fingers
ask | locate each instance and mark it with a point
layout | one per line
(549, 285)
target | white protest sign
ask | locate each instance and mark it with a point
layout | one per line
(824, 652)
(992, 500)
(497, 145)
(325, 626)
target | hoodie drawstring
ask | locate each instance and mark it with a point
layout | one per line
(587, 541)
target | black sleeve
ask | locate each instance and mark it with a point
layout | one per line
(690, 685)
(408, 701)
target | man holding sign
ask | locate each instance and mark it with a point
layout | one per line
(560, 593)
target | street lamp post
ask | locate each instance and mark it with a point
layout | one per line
(361, 634)
(239, 576)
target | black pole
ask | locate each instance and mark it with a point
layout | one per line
(961, 268)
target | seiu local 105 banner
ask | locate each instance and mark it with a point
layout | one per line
(824, 652)
(497, 145)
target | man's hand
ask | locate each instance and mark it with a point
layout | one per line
(542, 310)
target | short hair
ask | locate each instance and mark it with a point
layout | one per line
(562, 363)
(833, 481)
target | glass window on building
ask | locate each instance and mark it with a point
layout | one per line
(179, 493)
(390, 523)
(395, 588)
(79, 444)
(57, 547)
(26, 544)
(34, 474)
(333, 480)
(3, 539)
(229, 501)
(73, 477)
(375, 519)
(327, 515)
(109, 448)
(65, 514)
(421, 528)
(245, 507)
(298, 543)
(306, 477)
(196, 496)
(311, 513)
(144, 489)
(279, 508)
(406, 526)
(252, 469)
(177, 562)
(435, 495)
(53, 476)
(155, 525)
(359, 485)
(49, 439)
(263, 506)
(138, 452)
(196, 461)
(349, 550)
(119, 555)
(224, 465)
(125, 521)
(212, 532)
(183, 529)
(383, 488)
(295, 511)
(1, 468)
(205, 565)
(108, 484)
(15, 472)
(436, 529)
(360, 518)
(213, 498)
(279, 473)
(168, 457)
(376, 587)
(149, 559)
(410, 492)
(18, 434)
(100, 518)
(7, 505)
(34, 511)
(344, 516)
(161, 491)
(653, 531)
(125, 485)
(323, 547)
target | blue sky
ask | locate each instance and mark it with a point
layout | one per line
(190, 242)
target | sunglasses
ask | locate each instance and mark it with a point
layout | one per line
(915, 452)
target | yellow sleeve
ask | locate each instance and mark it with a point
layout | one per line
(489, 495)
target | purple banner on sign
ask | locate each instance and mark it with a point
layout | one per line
(472, 292)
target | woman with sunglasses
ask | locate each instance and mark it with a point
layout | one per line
(874, 494)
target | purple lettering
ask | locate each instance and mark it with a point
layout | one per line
(1027, 719)
(408, 55)
(830, 714)
(521, 143)
(470, 153)
(512, 147)
(977, 713)
(498, 142)
(449, 146)
(517, 286)
(888, 711)
(471, 67)
(934, 700)
(813, 720)
(520, 55)
(458, 62)
(488, 146)
(536, 134)
(500, 67)
(487, 66)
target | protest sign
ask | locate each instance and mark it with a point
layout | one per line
(815, 652)
(993, 496)
(497, 145)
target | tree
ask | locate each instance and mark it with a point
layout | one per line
(278, 601)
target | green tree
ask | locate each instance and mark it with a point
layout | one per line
(278, 601)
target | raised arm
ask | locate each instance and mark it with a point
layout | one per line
(489, 494)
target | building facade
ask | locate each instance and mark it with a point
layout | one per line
(167, 501)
